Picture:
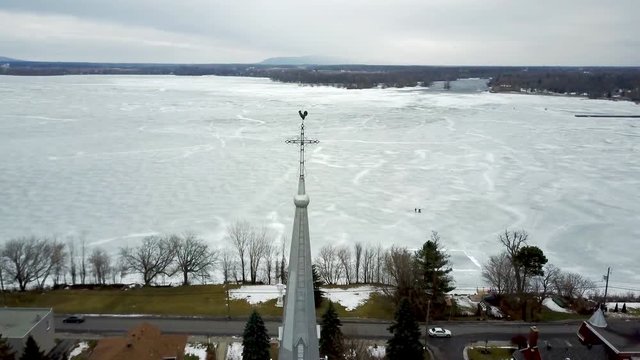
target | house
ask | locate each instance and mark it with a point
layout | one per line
(141, 343)
(620, 338)
(557, 348)
(16, 324)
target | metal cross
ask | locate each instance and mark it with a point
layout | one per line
(302, 141)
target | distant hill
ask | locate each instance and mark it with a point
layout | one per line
(304, 60)
(2, 58)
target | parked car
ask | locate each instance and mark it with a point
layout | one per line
(439, 332)
(73, 319)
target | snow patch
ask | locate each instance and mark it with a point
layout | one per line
(377, 352)
(350, 298)
(551, 305)
(198, 350)
(234, 351)
(78, 349)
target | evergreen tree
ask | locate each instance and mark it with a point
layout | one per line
(405, 341)
(5, 350)
(32, 351)
(615, 309)
(317, 282)
(255, 340)
(624, 307)
(331, 338)
(433, 279)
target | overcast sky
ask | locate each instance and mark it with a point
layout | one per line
(433, 32)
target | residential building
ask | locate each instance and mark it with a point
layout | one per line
(144, 342)
(16, 324)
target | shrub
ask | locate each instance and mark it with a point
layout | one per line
(519, 340)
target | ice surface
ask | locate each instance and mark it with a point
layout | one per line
(115, 158)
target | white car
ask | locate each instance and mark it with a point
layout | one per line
(439, 332)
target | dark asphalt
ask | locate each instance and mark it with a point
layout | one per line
(463, 332)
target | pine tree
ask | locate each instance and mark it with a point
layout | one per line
(624, 308)
(331, 338)
(255, 340)
(32, 351)
(6, 353)
(405, 341)
(317, 282)
(433, 278)
(616, 308)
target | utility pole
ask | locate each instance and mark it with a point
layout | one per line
(426, 325)
(606, 287)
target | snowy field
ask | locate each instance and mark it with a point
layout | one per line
(349, 298)
(115, 158)
(551, 305)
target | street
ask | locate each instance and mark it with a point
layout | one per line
(463, 332)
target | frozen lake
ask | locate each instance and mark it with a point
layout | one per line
(120, 157)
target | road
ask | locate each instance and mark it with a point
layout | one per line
(463, 332)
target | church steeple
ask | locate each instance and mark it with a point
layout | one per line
(299, 340)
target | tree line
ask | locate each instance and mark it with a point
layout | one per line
(596, 82)
(521, 273)
(251, 256)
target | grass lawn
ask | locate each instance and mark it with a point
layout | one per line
(207, 300)
(548, 315)
(494, 354)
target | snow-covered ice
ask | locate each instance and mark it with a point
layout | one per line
(630, 305)
(198, 350)
(551, 305)
(115, 158)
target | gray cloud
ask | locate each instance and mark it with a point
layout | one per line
(484, 32)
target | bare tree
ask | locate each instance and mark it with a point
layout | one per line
(399, 267)
(83, 259)
(228, 265)
(344, 256)
(357, 251)
(379, 265)
(239, 233)
(513, 241)
(193, 257)
(573, 285)
(100, 263)
(152, 258)
(258, 245)
(368, 265)
(543, 285)
(27, 260)
(327, 264)
(270, 262)
(73, 271)
(283, 263)
(58, 261)
(498, 272)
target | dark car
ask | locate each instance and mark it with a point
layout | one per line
(73, 319)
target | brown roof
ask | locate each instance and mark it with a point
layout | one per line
(142, 342)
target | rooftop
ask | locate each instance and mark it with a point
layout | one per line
(16, 322)
(142, 342)
(563, 348)
(624, 335)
